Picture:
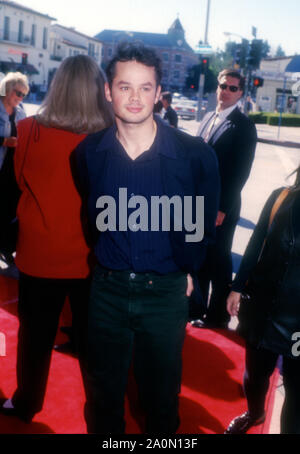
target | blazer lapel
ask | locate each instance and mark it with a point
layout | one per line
(217, 133)
(229, 123)
(205, 124)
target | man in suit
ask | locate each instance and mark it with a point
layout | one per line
(170, 115)
(139, 293)
(233, 137)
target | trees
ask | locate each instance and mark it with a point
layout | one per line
(279, 52)
(241, 56)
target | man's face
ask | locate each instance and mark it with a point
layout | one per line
(227, 98)
(134, 92)
(165, 103)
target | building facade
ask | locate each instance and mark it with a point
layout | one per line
(280, 77)
(24, 41)
(31, 43)
(176, 55)
(66, 42)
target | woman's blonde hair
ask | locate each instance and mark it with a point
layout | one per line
(76, 101)
(10, 81)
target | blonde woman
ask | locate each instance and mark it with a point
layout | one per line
(13, 89)
(52, 251)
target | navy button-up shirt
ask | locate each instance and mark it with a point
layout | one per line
(137, 250)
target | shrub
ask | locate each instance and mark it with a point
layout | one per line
(273, 118)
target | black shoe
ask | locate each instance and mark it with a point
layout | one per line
(208, 325)
(241, 424)
(198, 323)
(13, 412)
(67, 347)
(7, 258)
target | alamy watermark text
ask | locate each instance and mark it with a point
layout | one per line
(185, 209)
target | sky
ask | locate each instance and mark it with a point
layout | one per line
(277, 21)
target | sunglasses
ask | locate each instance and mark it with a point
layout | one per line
(232, 88)
(20, 94)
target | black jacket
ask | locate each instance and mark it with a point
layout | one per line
(191, 171)
(274, 281)
(171, 117)
(234, 142)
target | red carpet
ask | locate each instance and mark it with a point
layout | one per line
(213, 364)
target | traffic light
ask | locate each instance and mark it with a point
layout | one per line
(258, 82)
(237, 56)
(24, 59)
(204, 63)
(255, 53)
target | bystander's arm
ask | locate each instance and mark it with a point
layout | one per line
(255, 245)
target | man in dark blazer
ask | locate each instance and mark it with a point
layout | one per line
(170, 115)
(139, 293)
(233, 137)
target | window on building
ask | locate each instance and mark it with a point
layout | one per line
(6, 28)
(178, 58)
(176, 74)
(109, 52)
(91, 50)
(33, 35)
(165, 73)
(21, 31)
(45, 38)
(165, 56)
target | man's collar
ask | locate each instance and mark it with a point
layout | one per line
(223, 114)
(163, 131)
(165, 146)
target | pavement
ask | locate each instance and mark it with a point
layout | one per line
(277, 156)
(284, 136)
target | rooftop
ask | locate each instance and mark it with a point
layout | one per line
(25, 8)
(164, 40)
(73, 30)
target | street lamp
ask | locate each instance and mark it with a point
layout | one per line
(207, 22)
(229, 34)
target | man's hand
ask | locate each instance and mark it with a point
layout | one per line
(10, 142)
(233, 303)
(220, 218)
(190, 285)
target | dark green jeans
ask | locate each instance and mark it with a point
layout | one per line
(141, 317)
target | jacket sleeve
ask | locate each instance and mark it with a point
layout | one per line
(80, 168)
(237, 169)
(209, 187)
(255, 244)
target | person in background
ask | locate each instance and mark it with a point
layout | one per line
(233, 137)
(53, 254)
(13, 89)
(158, 108)
(170, 114)
(269, 273)
(33, 92)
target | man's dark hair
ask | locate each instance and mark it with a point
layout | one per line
(135, 51)
(167, 96)
(235, 75)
